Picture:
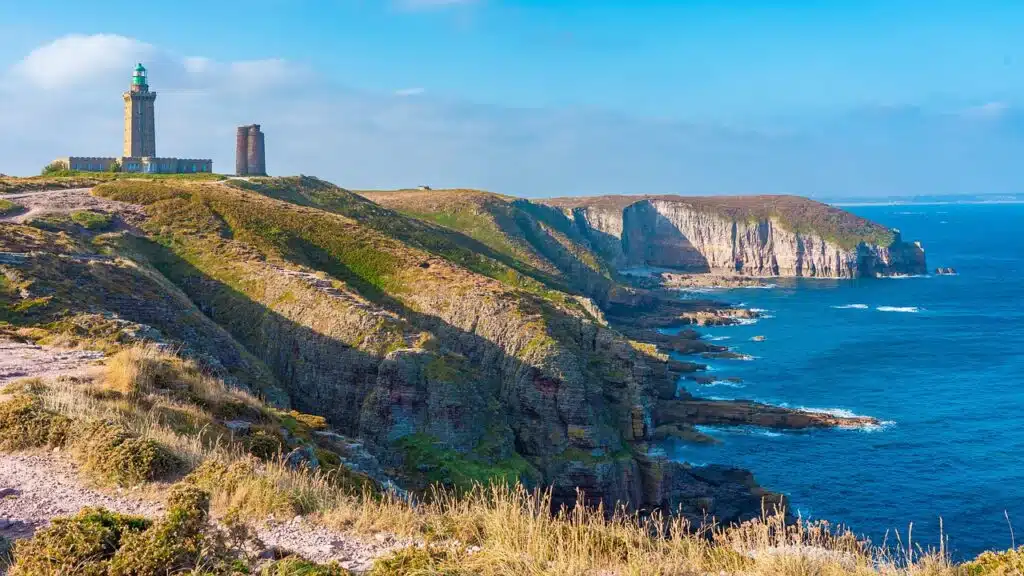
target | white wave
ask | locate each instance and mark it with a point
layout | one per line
(906, 276)
(852, 307)
(759, 310)
(760, 287)
(837, 412)
(746, 321)
(716, 338)
(878, 427)
(907, 309)
(844, 413)
(725, 383)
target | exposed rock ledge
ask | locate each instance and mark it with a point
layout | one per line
(698, 411)
(762, 236)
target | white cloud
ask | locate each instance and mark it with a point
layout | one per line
(367, 140)
(432, 4)
(75, 59)
(988, 110)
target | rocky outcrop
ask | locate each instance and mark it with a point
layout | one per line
(754, 236)
(739, 412)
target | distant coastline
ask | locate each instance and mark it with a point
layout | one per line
(929, 200)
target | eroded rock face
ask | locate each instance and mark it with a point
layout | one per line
(670, 233)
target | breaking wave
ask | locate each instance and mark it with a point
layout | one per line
(852, 307)
(906, 309)
(716, 338)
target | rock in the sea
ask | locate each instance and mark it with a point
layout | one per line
(758, 339)
(697, 411)
(947, 271)
(726, 355)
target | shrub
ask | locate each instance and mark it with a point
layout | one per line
(293, 566)
(264, 445)
(54, 168)
(424, 561)
(24, 423)
(176, 543)
(113, 454)
(133, 371)
(7, 207)
(241, 489)
(91, 220)
(81, 544)
(1008, 563)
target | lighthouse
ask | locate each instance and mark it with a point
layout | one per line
(139, 120)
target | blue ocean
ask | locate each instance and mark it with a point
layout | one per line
(940, 359)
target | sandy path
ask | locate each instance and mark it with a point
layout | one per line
(45, 202)
(19, 360)
(35, 488)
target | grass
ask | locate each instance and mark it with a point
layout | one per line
(64, 179)
(91, 220)
(8, 207)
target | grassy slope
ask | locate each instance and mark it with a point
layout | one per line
(395, 276)
(793, 212)
(78, 179)
(509, 227)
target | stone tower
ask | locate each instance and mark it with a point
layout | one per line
(139, 121)
(250, 154)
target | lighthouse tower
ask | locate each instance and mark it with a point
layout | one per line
(139, 122)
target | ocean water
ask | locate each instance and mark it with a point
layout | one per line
(939, 358)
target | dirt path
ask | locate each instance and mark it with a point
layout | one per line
(19, 360)
(37, 204)
(35, 488)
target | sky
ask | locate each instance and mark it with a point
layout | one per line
(539, 98)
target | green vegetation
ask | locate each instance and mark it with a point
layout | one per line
(56, 179)
(24, 423)
(96, 542)
(55, 168)
(1008, 563)
(80, 544)
(427, 460)
(113, 454)
(91, 220)
(293, 566)
(8, 207)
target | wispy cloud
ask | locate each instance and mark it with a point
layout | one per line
(409, 92)
(65, 98)
(432, 4)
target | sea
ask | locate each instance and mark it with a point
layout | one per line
(938, 359)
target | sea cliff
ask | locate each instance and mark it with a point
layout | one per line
(755, 236)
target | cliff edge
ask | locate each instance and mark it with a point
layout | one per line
(747, 235)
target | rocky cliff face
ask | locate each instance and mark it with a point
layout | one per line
(797, 237)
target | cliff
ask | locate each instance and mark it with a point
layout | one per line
(755, 235)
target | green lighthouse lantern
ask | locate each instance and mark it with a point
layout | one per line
(139, 76)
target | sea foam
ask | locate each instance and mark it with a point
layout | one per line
(906, 309)
(852, 307)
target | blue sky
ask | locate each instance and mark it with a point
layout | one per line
(821, 98)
